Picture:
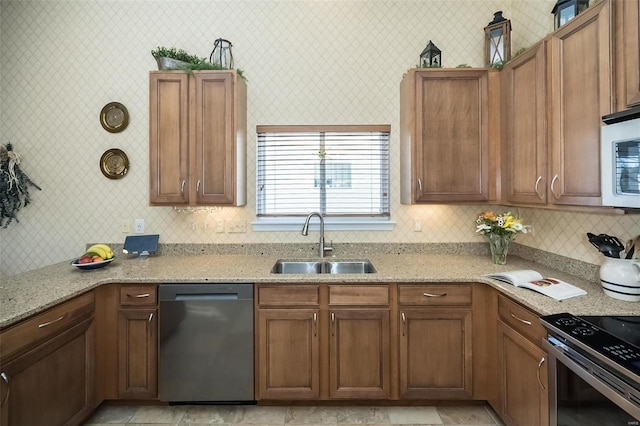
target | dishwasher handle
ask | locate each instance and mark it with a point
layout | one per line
(209, 296)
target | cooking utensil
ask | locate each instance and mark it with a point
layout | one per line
(631, 247)
(608, 245)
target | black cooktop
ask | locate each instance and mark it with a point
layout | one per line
(615, 337)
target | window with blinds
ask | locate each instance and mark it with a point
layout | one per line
(334, 170)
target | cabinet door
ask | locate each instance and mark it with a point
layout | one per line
(52, 384)
(288, 354)
(435, 353)
(359, 363)
(214, 156)
(137, 353)
(580, 94)
(451, 151)
(627, 15)
(523, 376)
(524, 112)
(169, 138)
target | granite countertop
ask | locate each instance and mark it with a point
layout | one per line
(26, 294)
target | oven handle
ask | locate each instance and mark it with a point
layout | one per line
(557, 354)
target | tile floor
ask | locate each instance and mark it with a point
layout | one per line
(475, 415)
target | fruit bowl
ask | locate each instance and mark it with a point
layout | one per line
(91, 265)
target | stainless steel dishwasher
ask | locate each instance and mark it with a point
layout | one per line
(206, 343)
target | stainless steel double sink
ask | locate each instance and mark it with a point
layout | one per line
(323, 267)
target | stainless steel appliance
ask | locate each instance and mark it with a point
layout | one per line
(206, 343)
(620, 159)
(594, 369)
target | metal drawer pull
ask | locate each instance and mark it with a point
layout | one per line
(520, 319)
(139, 296)
(434, 295)
(542, 360)
(6, 380)
(536, 187)
(44, 324)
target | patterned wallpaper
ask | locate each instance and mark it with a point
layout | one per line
(307, 62)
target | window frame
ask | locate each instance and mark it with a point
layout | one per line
(335, 222)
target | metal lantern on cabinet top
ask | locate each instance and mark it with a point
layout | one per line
(566, 10)
(221, 54)
(497, 40)
(431, 56)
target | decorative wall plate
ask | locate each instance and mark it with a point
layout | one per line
(114, 163)
(114, 117)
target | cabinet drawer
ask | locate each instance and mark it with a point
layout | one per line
(521, 319)
(46, 324)
(140, 295)
(437, 295)
(358, 295)
(289, 295)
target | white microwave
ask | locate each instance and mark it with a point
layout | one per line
(620, 160)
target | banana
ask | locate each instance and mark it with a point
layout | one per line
(103, 250)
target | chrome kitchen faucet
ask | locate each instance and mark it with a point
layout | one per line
(305, 231)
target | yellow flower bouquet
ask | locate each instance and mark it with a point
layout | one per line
(500, 229)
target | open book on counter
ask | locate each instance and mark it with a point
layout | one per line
(551, 287)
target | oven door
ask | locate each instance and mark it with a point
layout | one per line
(582, 393)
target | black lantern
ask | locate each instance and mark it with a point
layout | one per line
(221, 54)
(566, 10)
(497, 40)
(431, 56)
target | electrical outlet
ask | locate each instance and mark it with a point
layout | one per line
(219, 226)
(139, 226)
(125, 226)
(236, 226)
(417, 225)
(531, 230)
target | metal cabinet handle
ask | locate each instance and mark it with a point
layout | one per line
(44, 324)
(536, 187)
(520, 319)
(542, 360)
(197, 186)
(404, 323)
(182, 186)
(6, 380)
(315, 324)
(150, 317)
(434, 295)
(333, 324)
(139, 296)
(555, 177)
(420, 184)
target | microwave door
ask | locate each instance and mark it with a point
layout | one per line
(620, 164)
(627, 168)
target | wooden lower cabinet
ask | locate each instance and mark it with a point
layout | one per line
(137, 353)
(288, 354)
(359, 354)
(435, 353)
(52, 383)
(523, 389)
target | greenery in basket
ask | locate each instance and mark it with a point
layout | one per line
(14, 185)
(193, 62)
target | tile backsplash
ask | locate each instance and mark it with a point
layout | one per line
(307, 62)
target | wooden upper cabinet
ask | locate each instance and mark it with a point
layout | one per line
(627, 53)
(579, 95)
(445, 135)
(524, 102)
(197, 136)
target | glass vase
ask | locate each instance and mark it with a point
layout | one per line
(499, 248)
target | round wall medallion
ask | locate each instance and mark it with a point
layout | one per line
(114, 117)
(114, 163)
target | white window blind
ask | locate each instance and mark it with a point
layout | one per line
(335, 170)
